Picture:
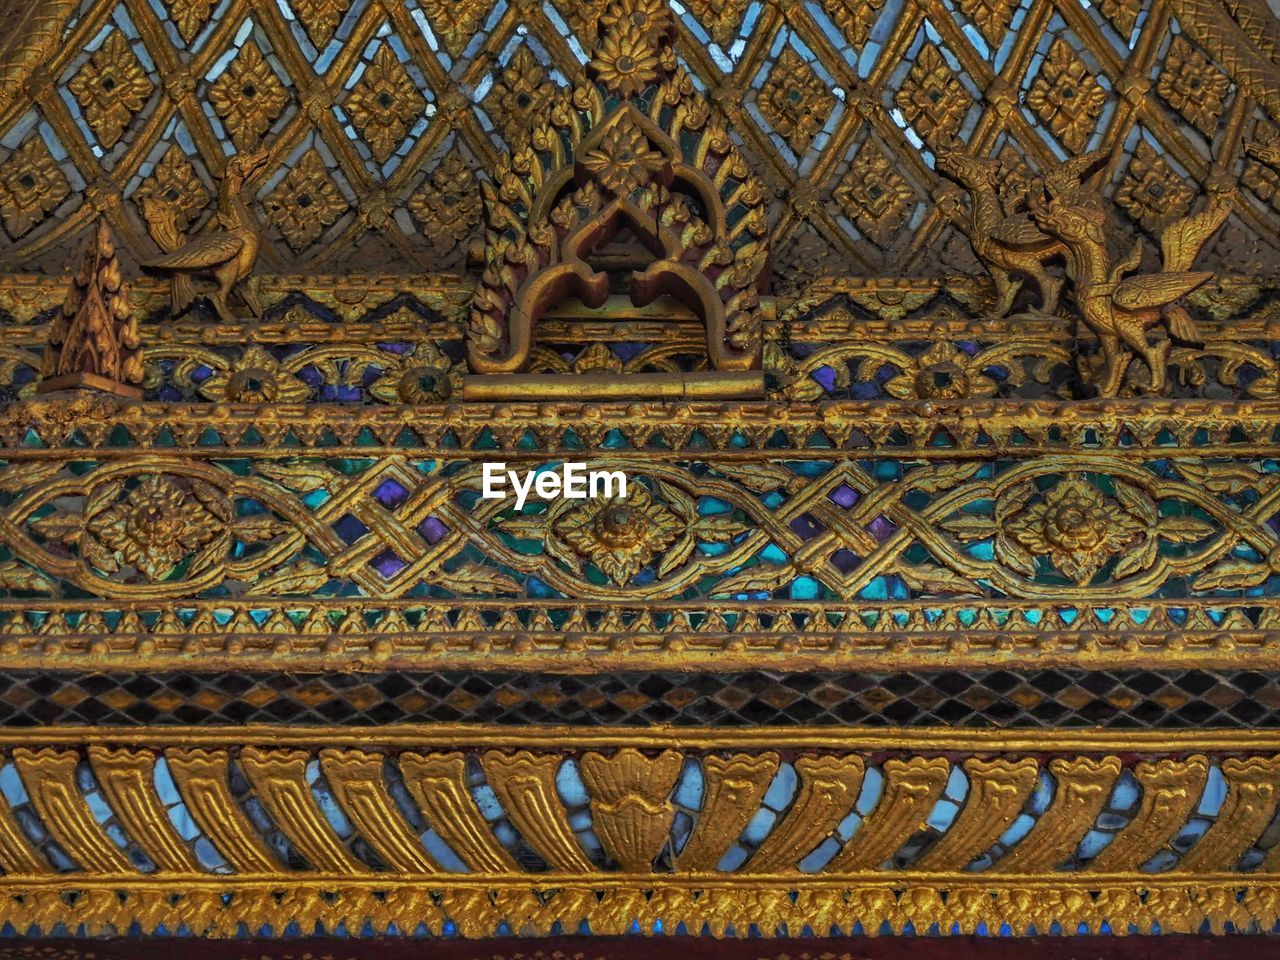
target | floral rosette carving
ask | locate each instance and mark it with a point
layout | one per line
(394, 374)
(148, 532)
(153, 529)
(1076, 528)
(651, 533)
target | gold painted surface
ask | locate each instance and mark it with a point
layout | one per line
(437, 781)
(956, 229)
(359, 785)
(279, 781)
(1170, 791)
(911, 788)
(828, 790)
(127, 781)
(201, 776)
(734, 787)
(55, 794)
(630, 790)
(998, 789)
(1083, 785)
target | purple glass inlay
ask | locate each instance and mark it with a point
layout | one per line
(311, 376)
(844, 496)
(881, 527)
(390, 494)
(349, 528)
(845, 560)
(805, 526)
(432, 530)
(387, 564)
(628, 351)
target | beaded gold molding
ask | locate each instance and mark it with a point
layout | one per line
(582, 638)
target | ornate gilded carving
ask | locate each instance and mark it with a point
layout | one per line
(1170, 791)
(151, 528)
(279, 779)
(1011, 247)
(998, 789)
(629, 805)
(127, 781)
(174, 181)
(1076, 527)
(448, 206)
(438, 782)
(50, 778)
(633, 817)
(359, 785)
(991, 16)
(795, 101)
(932, 99)
(874, 196)
(32, 34)
(95, 340)
(455, 23)
(1193, 86)
(1120, 311)
(827, 792)
(306, 202)
(620, 537)
(227, 256)
(521, 95)
(911, 787)
(31, 185)
(855, 20)
(384, 104)
(664, 170)
(526, 785)
(1247, 810)
(299, 492)
(1151, 192)
(189, 16)
(248, 97)
(321, 18)
(202, 776)
(734, 787)
(111, 88)
(1082, 786)
(1066, 97)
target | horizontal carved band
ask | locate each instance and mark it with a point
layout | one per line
(929, 429)
(487, 804)
(1082, 527)
(897, 339)
(704, 907)
(575, 638)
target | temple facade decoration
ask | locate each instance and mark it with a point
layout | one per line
(938, 343)
(95, 340)
(666, 173)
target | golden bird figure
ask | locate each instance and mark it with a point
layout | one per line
(227, 256)
(1121, 311)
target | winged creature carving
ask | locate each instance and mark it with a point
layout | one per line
(1120, 310)
(1012, 248)
(226, 256)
